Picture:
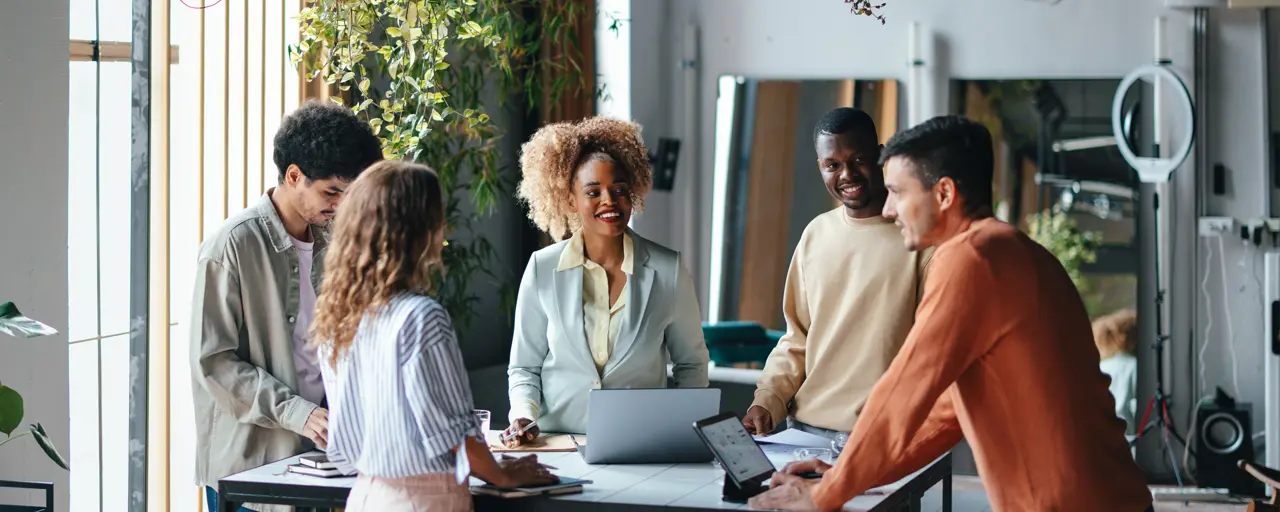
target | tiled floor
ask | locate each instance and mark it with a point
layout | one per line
(967, 495)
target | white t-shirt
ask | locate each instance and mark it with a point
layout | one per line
(310, 382)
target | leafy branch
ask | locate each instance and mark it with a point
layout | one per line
(1057, 232)
(419, 72)
(12, 409)
(866, 8)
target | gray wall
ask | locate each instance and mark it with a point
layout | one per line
(33, 230)
(992, 39)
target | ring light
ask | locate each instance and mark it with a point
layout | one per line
(1154, 170)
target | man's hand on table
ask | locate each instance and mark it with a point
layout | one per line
(758, 421)
(787, 492)
(317, 427)
(801, 467)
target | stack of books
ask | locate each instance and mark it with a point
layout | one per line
(315, 465)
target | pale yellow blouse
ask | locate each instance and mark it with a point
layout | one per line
(602, 321)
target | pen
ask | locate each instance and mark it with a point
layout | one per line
(520, 432)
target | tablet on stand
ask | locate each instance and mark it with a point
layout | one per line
(746, 467)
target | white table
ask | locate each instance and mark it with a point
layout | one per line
(620, 487)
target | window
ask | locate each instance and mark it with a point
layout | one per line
(613, 58)
(98, 253)
(213, 113)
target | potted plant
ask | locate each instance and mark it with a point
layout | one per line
(13, 323)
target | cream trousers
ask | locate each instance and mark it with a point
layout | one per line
(434, 492)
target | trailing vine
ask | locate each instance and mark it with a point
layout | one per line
(420, 72)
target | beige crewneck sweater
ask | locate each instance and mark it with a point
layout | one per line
(849, 302)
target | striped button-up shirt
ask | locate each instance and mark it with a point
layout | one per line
(399, 398)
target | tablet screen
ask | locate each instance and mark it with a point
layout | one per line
(736, 449)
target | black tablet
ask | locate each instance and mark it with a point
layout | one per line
(742, 459)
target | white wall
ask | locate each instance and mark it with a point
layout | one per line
(33, 226)
(987, 39)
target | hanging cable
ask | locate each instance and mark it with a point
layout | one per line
(1231, 335)
(1208, 306)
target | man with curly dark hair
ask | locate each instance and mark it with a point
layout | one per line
(258, 391)
(603, 308)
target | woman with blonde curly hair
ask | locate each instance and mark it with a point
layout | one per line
(401, 411)
(1116, 336)
(605, 307)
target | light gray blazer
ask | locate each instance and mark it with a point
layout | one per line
(550, 362)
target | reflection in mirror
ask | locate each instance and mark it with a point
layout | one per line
(1060, 177)
(767, 182)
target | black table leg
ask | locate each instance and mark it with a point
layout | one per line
(946, 493)
(223, 503)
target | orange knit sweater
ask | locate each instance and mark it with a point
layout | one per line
(1001, 354)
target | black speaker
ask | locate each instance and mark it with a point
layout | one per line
(1224, 436)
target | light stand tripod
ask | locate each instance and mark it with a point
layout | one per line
(1157, 170)
(1159, 401)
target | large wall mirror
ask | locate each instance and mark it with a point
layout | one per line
(1060, 177)
(767, 182)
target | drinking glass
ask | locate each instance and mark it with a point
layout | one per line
(482, 416)
(838, 441)
(823, 454)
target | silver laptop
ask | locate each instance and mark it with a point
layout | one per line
(647, 426)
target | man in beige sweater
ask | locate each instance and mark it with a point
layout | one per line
(850, 295)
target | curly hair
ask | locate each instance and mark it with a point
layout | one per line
(325, 140)
(383, 245)
(1116, 333)
(552, 157)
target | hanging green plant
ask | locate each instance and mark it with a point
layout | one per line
(419, 72)
(1057, 232)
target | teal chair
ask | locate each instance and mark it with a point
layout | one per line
(739, 344)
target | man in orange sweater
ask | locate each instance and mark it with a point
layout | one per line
(1001, 354)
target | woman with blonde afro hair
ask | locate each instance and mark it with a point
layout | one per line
(1116, 336)
(603, 307)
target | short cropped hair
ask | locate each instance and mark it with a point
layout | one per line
(846, 120)
(325, 140)
(949, 147)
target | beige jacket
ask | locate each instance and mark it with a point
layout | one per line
(248, 412)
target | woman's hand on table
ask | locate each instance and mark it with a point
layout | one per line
(801, 467)
(511, 441)
(526, 471)
(786, 492)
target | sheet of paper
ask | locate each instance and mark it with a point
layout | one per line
(544, 443)
(797, 438)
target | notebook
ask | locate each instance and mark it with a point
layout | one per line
(317, 461)
(310, 471)
(544, 443)
(566, 486)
